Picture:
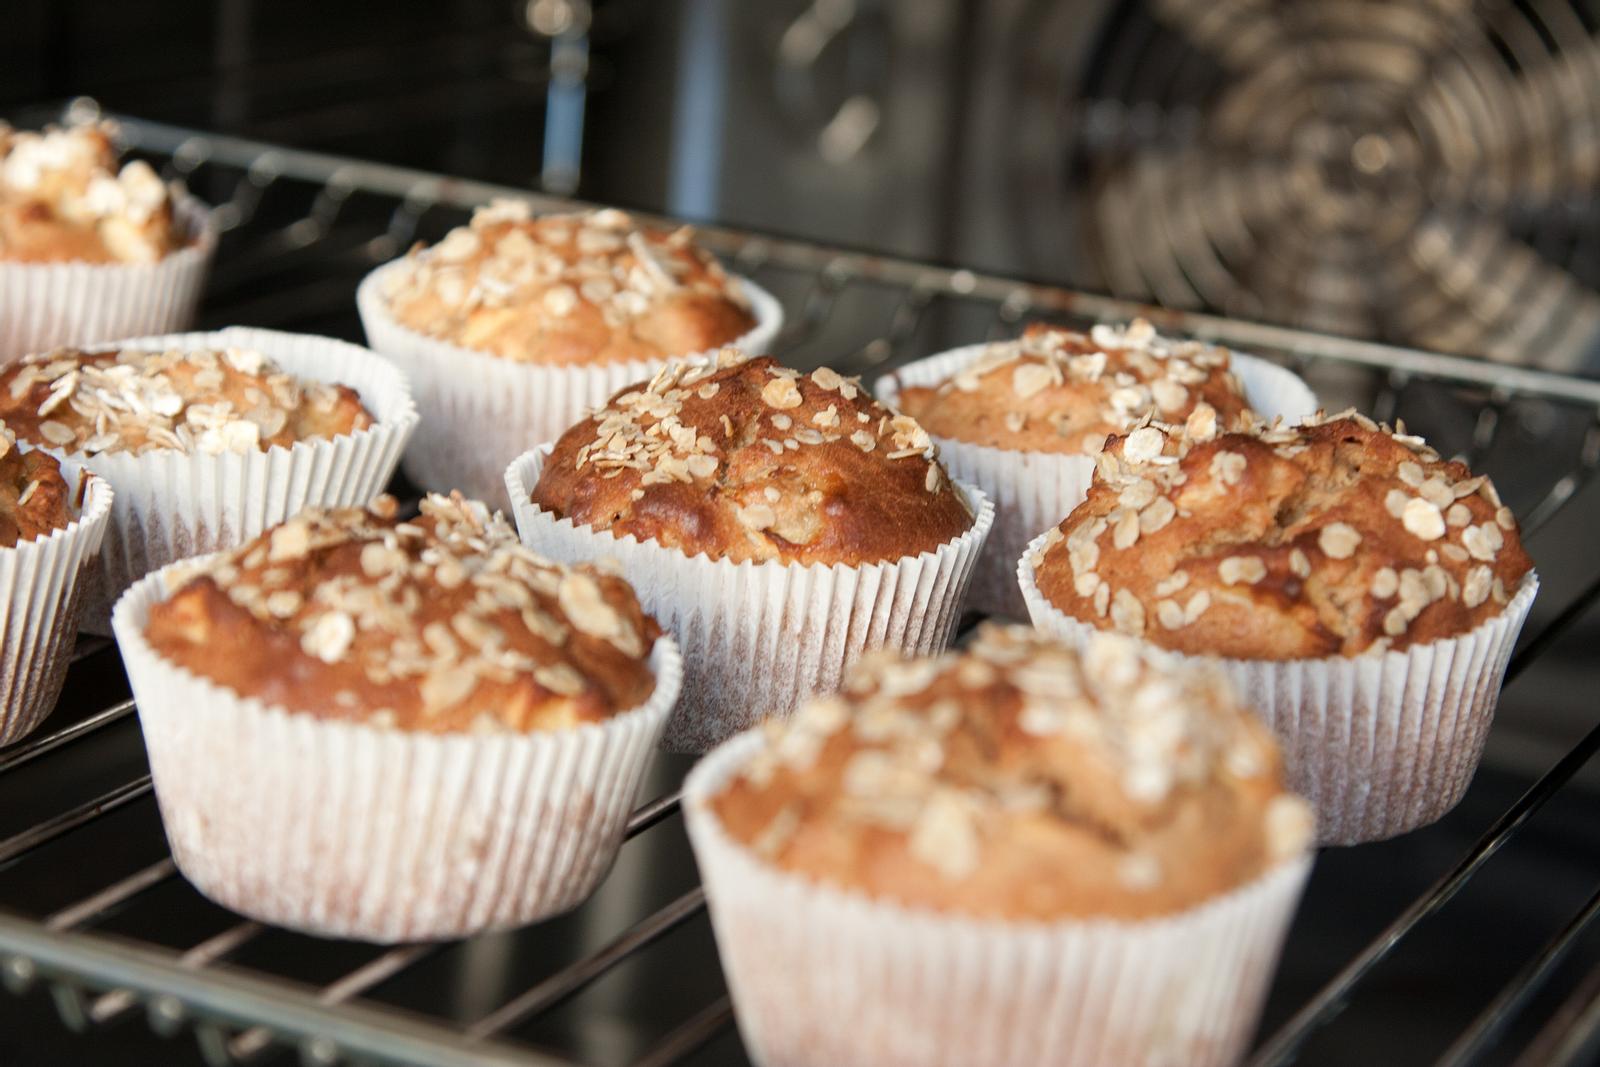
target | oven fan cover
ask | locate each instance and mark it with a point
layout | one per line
(1422, 173)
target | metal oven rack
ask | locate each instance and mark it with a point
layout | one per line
(94, 917)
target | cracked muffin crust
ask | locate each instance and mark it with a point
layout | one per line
(131, 400)
(1330, 538)
(442, 623)
(63, 198)
(1016, 779)
(563, 290)
(1057, 390)
(744, 459)
(34, 498)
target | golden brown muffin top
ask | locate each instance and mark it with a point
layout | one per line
(34, 498)
(131, 400)
(571, 289)
(62, 198)
(743, 459)
(438, 624)
(1057, 390)
(1018, 780)
(1329, 538)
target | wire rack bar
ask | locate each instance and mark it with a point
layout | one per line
(691, 1035)
(218, 946)
(358, 981)
(90, 907)
(37, 836)
(1488, 1026)
(28, 751)
(240, 999)
(1572, 1036)
(567, 981)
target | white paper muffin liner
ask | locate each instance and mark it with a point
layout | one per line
(46, 305)
(40, 598)
(173, 504)
(480, 411)
(1379, 743)
(1032, 491)
(759, 638)
(349, 830)
(824, 977)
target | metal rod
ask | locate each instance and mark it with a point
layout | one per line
(207, 952)
(112, 895)
(1567, 486)
(47, 831)
(1570, 1035)
(88, 645)
(570, 979)
(41, 746)
(1493, 1020)
(1535, 646)
(354, 1030)
(700, 1028)
(358, 981)
(649, 814)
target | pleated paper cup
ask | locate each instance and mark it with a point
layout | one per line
(349, 830)
(480, 411)
(1033, 491)
(826, 977)
(759, 638)
(40, 599)
(173, 504)
(1380, 743)
(47, 305)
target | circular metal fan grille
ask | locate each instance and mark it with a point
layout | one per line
(1422, 172)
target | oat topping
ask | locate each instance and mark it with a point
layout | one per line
(764, 447)
(64, 185)
(1277, 521)
(472, 286)
(439, 618)
(1077, 388)
(234, 400)
(1013, 741)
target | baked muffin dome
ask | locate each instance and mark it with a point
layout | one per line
(744, 459)
(1057, 390)
(1329, 538)
(63, 198)
(437, 624)
(575, 289)
(133, 400)
(1018, 780)
(34, 498)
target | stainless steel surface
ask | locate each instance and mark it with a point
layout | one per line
(302, 228)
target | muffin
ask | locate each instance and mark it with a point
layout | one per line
(209, 438)
(187, 400)
(513, 326)
(1364, 593)
(90, 250)
(1023, 419)
(35, 500)
(45, 539)
(777, 523)
(394, 729)
(1005, 855)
